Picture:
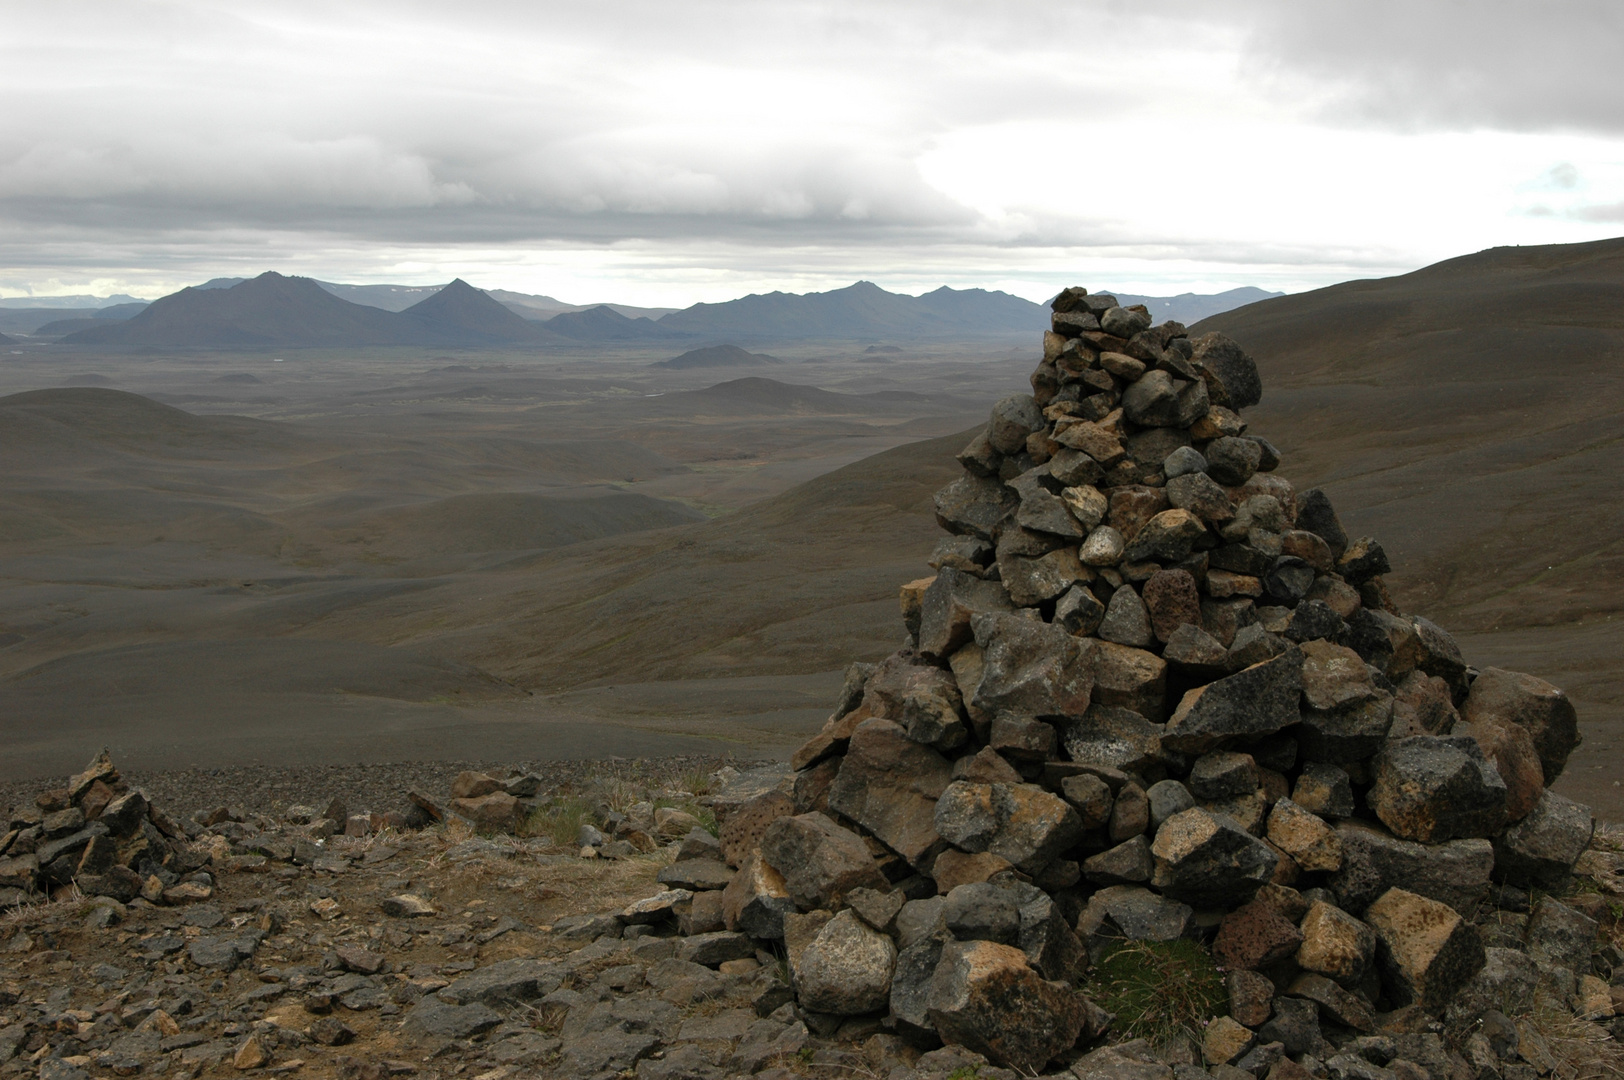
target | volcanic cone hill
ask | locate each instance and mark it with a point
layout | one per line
(716, 356)
(274, 310)
(1154, 693)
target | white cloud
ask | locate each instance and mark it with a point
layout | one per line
(670, 152)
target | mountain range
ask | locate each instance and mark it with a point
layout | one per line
(273, 310)
(277, 311)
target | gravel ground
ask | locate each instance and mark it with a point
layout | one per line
(267, 789)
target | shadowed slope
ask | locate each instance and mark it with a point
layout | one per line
(267, 310)
(462, 311)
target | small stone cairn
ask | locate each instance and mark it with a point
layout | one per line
(1153, 692)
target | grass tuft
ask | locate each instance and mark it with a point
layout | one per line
(1159, 990)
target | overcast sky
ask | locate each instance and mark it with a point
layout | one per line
(674, 151)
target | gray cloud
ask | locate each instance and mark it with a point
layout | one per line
(162, 137)
(1450, 64)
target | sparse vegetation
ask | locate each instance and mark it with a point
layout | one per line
(1159, 990)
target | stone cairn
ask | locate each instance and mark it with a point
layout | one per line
(1153, 692)
(105, 839)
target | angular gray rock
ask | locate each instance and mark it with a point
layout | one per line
(982, 911)
(975, 506)
(1020, 822)
(1432, 789)
(1030, 668)
(889, 784)
(984, 996)
(1204, 858)
(820, 861)
(1249, 704)
(1127, 620)
(1542, 848)
(1425, 949)
(1167, 797)
(1373, 861)
(1115, 737)
(947, 607)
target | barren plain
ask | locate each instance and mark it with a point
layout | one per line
(395, 555)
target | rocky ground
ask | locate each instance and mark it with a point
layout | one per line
(440, 953)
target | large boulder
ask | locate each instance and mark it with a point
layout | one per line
(1432, 789)
(819, 861)
(846, 970)
(1426, 950)
(1455, 873)
(986, 997)
(1530, 703)
(1020, 822)
(975, 506)
(1230, 374)
(947, 607)
(1249, 704)
(1206, 859)
(1542, 848)
(1030, 668)
(1510, 748)
(889, 784)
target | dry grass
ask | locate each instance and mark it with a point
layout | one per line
(1583, 1051)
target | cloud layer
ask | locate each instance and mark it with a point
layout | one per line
(675, 152)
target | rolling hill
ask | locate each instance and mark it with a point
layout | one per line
(863, 311)
(716, 356)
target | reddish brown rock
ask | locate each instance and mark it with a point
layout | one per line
(1530, 703)
(1255, 936)
(1510, 748)
(1173, 600)
(742, 831)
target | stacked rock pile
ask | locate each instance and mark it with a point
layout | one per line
(1154, 692)
(98, 835)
